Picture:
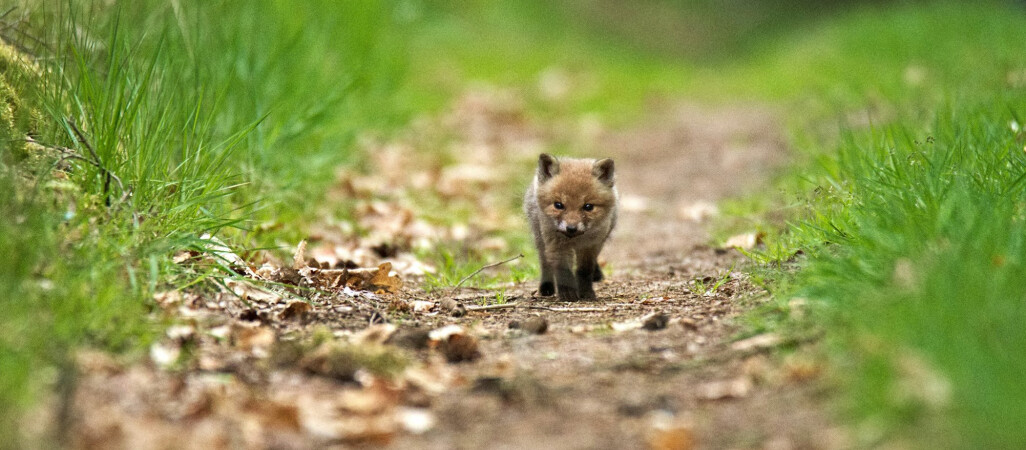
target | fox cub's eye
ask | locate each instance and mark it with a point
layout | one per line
(559, 205)
(588, 207)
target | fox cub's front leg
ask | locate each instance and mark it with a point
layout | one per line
(566, 282)
(587, 271)
(548, 285)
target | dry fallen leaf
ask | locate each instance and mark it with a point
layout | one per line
(802, 368)
(299, 258)
(296, 310)
(252, 338)
(168, 299)
(746, 241)
(164, 354)
(181, 333)
(416, 420)
(674, 438)
(220, 251)
(668, 432)
(374, 399)
(274, 415)
(759, 342)
(698, 211)
(249, 292)
(626, 326)
(651, 322)
(422, 306)
(183, 256)
(720, 390)
(384, 283)
(323, 417)
(455, 343)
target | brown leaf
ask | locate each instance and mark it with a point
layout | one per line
(423, 306)
(274, 415)
(296, 310)
(459, 347)
(375, 399)
(802, 368)
(298, 259)
(252, 338)
(382, 282)
(720, 390)
(455, 343)
(672, 438)
(323, 416)
(168, 299)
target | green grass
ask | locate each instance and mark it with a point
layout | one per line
(198, 125)
(912, 223)
(923, 254)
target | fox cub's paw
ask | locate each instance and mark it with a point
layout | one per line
(547, 288)
(568, 294)
(586, 293)
(597, 274)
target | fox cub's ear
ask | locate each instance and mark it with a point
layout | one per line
(603, 170)
(548, 167)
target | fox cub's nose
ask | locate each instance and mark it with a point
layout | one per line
(571, 229)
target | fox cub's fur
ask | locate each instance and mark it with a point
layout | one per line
(572, 209)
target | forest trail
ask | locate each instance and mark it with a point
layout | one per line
(581, 385)
(653, 361)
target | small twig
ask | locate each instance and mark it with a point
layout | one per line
(464, 280)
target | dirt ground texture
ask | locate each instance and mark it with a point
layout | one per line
(653, 362)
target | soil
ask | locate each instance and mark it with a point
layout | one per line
(657, 360)
(610, 389)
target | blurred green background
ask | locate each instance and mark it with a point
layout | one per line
(223, 115)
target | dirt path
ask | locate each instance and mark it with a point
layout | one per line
(651, 362)
(581, 385)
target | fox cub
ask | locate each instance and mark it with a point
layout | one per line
(571, 205)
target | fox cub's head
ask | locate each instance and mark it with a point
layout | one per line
(575, 194)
